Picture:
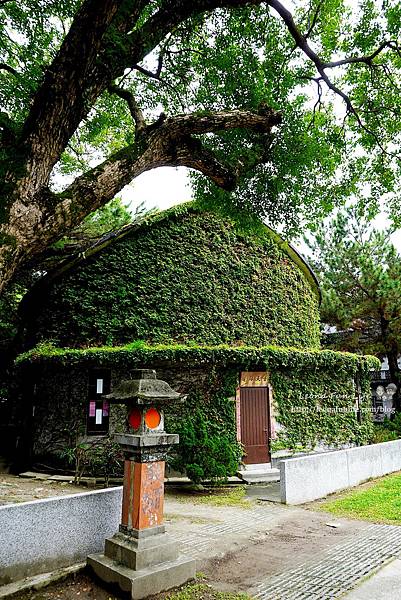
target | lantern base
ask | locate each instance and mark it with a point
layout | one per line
(142, 566)
(142, 533)
(140, 553)
(151, 447)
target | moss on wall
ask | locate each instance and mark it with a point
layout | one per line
(185, 276)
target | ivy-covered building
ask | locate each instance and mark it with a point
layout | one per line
(225, 313)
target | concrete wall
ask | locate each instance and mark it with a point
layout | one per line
(310, 477)
(43, 535)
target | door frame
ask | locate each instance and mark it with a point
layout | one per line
(255, 379)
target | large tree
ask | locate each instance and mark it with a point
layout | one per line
(360, 275)
(95, 92)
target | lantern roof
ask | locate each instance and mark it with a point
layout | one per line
(145, 389)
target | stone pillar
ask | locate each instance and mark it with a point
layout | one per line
(141, 558)
(143, 495)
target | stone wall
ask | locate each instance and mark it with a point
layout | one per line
(311, 477)
(54, 406)
(44, 535)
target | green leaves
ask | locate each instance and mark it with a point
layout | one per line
(31, 32)
(187, 275)
(360, 273)
(319, 382)
(208, 448)
(326, 149)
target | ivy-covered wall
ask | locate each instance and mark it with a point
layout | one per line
(185, 276)
(320, 407)
(315, 394)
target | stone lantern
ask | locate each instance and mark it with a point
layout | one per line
(141, 558)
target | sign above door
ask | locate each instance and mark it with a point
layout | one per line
(254, 379)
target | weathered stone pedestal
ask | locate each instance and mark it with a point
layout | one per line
(142, 566)
(142, 558)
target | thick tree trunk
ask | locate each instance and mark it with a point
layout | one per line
(37, 218)
(395, 374)
(395, 371)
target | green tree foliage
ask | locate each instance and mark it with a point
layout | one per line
(112, 216)
(360, 274)
(285, 114)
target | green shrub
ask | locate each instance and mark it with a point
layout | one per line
(394, 425)
(389, 430)
(106, 460)
(96, 458)
(382, 434)
(203, 454)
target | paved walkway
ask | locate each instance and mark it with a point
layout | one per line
(338, 571)
(386, 584)
(274, 552)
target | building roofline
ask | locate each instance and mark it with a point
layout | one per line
(114, 236)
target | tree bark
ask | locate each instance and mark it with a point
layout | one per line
(33, 225)
(104, 40)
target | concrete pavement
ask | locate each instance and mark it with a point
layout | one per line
(273, 552)
(385, 584)
(276, 552)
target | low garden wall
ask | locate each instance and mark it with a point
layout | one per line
(308, 478)
(44, 535)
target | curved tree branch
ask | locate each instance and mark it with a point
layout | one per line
(136, 112)
(321, 66)
(365, 59)
(106, 39)
(170, 143)
(5, 67)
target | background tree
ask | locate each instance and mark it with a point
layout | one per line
(243, 90)
(95, 229)
(360, 275)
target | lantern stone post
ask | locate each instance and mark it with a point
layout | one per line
(141, 558)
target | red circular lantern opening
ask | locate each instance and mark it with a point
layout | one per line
(135, 418)
(152, 418)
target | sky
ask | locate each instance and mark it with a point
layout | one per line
(167, 186)
(160, 188)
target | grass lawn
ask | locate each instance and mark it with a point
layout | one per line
(378, 501)
(202, 591)
(219, 496)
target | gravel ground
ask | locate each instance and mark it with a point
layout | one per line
(15, 489)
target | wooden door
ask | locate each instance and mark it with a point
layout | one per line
(255, 422)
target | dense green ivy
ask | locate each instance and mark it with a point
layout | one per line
(184, 276)
(314, 394)
(206, 424)
(321, 406)
(137, 353)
